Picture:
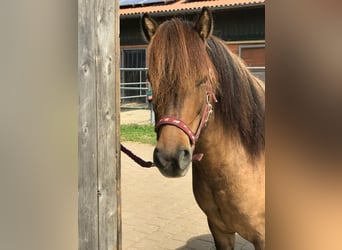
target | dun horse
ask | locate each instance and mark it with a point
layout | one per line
(210, 112)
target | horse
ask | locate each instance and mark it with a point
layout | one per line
(209, 112)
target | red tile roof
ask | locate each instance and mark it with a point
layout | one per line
(184, 5)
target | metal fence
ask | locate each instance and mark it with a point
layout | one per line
(134, 86)
(258, 72)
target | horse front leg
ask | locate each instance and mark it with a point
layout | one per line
(223, 240)
(259, 244)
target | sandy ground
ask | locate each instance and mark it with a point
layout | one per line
(141, 116)
(161, 213)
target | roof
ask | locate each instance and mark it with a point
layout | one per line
(186, 5)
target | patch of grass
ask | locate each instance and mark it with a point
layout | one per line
(138, 133)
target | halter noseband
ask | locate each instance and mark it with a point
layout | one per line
(173, 121)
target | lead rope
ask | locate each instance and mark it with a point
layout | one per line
(137, 159)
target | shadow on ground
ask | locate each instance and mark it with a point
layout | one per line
(202, 242)
(206, 242)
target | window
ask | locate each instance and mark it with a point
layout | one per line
(133, 75)
(133, 58)
(254, 56)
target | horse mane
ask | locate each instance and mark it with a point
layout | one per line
(170, 52)
(239, 102)
(177, 52)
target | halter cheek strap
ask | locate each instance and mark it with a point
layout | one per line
(173, 121)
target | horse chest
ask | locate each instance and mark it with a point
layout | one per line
(226, 202)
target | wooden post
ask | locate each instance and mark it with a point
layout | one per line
(99, 221)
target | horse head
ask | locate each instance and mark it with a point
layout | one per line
(184, 83)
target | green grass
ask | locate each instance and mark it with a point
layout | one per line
(138, 133)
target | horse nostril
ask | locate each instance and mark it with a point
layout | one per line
(184, 158)
(174, 164)
(156, 157)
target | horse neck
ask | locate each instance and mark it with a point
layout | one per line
(225, 138)
(224, 153)
(216, 137)
(241, 105)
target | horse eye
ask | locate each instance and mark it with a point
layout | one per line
(201, 82)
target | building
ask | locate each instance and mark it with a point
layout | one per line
(241, 23)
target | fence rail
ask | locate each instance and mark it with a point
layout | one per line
(134, 86)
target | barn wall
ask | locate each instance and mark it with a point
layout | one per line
(253, 53)
(230, 25)
(243, 29)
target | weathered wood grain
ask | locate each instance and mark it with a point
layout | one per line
(99, 148)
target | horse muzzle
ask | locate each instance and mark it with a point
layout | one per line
(175, 164)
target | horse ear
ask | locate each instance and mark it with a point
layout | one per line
(149, 26)
(204, 24)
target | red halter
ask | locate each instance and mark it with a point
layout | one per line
(173, 121)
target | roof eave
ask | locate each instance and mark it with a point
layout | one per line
(193, 10)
